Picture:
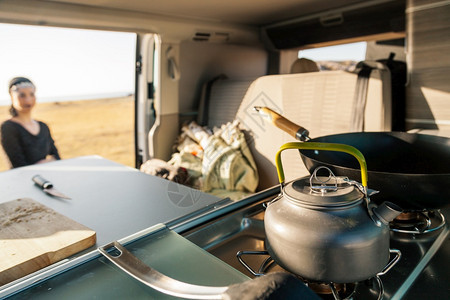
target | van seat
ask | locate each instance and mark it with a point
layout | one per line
(224, 99)
(322, 102)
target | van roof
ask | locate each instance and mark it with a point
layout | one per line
(247, 12)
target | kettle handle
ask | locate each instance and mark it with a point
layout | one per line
(322, 146)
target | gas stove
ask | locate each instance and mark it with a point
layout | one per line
(177, 249)
(422, 272)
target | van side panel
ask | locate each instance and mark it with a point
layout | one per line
(428, 89)
(202, 61)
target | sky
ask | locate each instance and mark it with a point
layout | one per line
(353, 51)
(67, 64)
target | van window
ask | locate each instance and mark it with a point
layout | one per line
(339, 57)
(84, 86)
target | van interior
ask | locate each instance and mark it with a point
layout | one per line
(212, 62)
(222, 64)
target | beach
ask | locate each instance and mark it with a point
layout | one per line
(102, 127)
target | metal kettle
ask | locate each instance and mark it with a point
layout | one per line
(329, 233)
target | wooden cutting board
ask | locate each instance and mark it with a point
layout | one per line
(33, 236)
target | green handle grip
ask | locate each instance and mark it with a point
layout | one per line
(322, 146)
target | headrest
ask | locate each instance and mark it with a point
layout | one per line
(304, 65)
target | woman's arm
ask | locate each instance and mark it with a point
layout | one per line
(11, 145)
(49, 158)
(53, 150)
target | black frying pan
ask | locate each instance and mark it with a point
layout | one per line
(411, 170)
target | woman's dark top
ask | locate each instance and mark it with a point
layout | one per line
(24, 148)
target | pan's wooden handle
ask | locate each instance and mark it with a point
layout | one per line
(284, 124)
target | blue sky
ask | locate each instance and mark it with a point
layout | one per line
(67, 62)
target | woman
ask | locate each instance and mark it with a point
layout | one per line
(25, 140)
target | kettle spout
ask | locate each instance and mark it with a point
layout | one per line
(387, 212)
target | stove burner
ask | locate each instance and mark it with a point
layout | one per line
(418, 222)
(326, 290)
(331, 291)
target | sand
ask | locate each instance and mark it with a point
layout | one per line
(102, 127)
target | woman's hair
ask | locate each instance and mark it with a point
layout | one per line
(15, 83)
(13, 111)
(18, 81)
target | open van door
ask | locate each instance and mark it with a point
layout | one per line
(145, 115)
(157, 78)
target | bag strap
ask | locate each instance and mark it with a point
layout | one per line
(360, 98)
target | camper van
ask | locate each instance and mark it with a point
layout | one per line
(264, 204)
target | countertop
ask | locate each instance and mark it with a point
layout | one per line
(112, 199)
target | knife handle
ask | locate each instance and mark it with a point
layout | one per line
(42, 182)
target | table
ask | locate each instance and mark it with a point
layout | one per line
(112, 199)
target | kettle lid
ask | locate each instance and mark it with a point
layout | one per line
(323, 191)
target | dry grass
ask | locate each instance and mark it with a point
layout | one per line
(104, 127)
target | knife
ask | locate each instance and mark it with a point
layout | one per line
(47, 187)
